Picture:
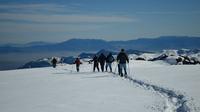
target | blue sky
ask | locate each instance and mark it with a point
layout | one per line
(23, 21)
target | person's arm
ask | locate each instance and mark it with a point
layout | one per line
(91, 60)
(117, 57)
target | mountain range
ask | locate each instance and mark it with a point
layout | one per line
(145, 44)
(187, 56)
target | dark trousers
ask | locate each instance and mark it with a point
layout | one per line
(77, 67)
(118, 69)
(122, 67)
(96, 65)
(54, 65)
(109, 65)
(102, 66)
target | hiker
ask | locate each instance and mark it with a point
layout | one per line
(122, 59)
(96, 63)
(54, 61)
(77, 62)
(102, 59)
(109, 60)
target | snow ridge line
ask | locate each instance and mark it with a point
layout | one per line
(178, 100)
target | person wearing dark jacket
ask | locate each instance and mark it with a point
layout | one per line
(109, 60)
(102, 60)
(77, 62)
(96, 63)
(54, 61)
(122, 59)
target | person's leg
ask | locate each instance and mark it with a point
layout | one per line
(94, 67)
(110, 67)
(77, 68)
(103, 67)
(118, 66)
(120, 69)
(106, 67)
(97, 65)
(124, 66)
(54, 65)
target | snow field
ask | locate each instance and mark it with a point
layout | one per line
(62, 89)
(182, 79)
(150, 87)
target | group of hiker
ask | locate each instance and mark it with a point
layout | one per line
(102, 59)
(105, 62)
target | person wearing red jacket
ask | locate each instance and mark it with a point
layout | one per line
(77, 62)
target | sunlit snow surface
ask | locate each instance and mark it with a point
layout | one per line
(64, 90)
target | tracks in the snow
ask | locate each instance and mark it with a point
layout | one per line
(175, 102)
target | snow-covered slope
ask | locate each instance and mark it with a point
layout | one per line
(64, 90)
(182, 79)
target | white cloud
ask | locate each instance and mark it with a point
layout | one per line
(54, 13)
(23, 6)
(64, 18)
(50, 20)
(168, 12)
(8, 27)
(39, 8)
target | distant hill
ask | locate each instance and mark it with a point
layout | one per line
(144, 44)
(157, 44)
(37, 43)
(83, 45)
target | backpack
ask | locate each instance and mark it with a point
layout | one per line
(122, 57)
(78, 62)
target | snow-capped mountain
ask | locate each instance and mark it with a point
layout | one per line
(172, 57)
(46, 62)
(179, 56)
